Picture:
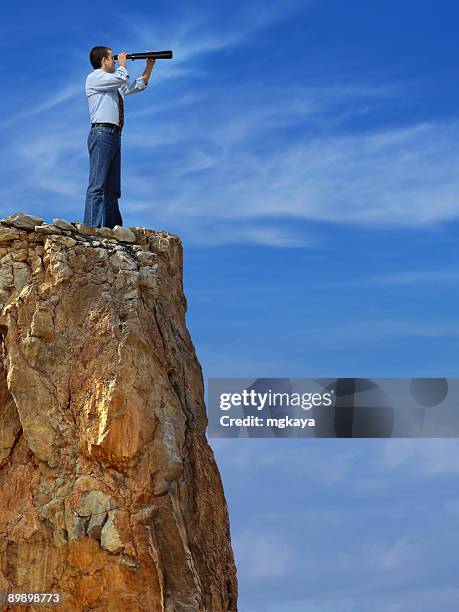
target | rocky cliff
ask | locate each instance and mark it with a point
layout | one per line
(109, 491)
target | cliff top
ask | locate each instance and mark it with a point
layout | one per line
(79, 231)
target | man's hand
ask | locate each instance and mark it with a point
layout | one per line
(122, 59)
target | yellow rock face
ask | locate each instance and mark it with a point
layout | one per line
(109, 492)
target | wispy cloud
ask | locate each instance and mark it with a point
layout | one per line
(415, 277)
(329, 330)
(191, 35)
(394, 177)
(54, 163)
(262, 555)
(417, 599)
(423, 457)
(57, 98)
(262, 456)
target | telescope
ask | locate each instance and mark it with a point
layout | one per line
(148, 55)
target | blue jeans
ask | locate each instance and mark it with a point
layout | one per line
(104, 189)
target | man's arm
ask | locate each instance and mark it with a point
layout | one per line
(147, 72)
(141, 82)
(132, 87)
(109, 81)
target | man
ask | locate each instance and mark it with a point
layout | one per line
(105, 90)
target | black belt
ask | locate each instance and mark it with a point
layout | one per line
(112, 126)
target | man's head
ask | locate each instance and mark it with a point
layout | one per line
(102, 57)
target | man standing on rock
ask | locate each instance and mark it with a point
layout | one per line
(105, 90)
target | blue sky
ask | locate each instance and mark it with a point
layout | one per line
(307, 153)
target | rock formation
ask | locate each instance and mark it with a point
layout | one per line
(109, 491)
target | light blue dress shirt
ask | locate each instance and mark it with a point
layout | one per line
(102, 93)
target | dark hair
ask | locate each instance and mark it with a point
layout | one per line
(97, 55)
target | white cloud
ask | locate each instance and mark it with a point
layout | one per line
(57, 97)
(425, 458)
(305, 460)
(262, 555)
(425, 599)
(414, 277)
(55, 162)
(191, 36)
(398, 177)
(393, 556)
(372, 178)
